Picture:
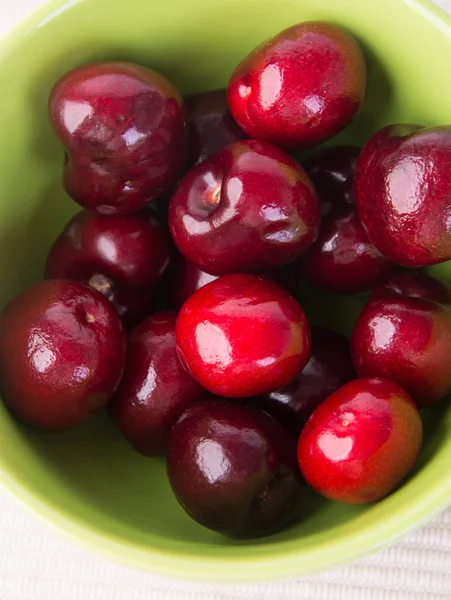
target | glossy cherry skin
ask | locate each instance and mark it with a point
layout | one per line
(62, 354)
(361, 442)
(342, 259)
(329, 367)
(299, 88)
(242, 336)
(121, 256)
(414, 284)
(155, 388)
(405, 338)
(403, 193)
(233, 469)
(211, 126)
(187, 279)
(249, 208)
(332, 172)
(123, 127)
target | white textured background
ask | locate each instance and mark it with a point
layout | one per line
(35, 564)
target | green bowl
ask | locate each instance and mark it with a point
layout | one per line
(89, 484)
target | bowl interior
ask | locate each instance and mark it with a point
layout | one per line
(90, 483)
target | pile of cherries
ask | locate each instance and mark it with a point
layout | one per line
(197, 226)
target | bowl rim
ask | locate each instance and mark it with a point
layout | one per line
(293, 562)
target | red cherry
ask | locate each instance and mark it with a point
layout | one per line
(123, 127)
(242, 335)
(301, 87)
(123, 257)
(233, 469)
(342, 259)
(332, 172)
(404, 336)
(329, 367)
(249, 208)
(403, 193)
(210, 124)
(62, 354)
(361, 442)
(155, 388)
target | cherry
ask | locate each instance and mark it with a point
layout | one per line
(342, 259)
(403, 193)
(251, 207)
(242, 335)
(187, 279)
(404, 334)
(332, 172)
(155, 389)
(122, 257)
(361, 442)
(299, 88)
(329, 367)
(124, 131)
(210, 124)
(233, 469)
(62, 354)
(415, 284)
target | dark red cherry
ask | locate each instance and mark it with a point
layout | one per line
(233, 469)
(155, 388)
(329, 367)
(62, 354)
(124, 131)
(210, 124)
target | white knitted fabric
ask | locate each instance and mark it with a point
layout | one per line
(36, 564)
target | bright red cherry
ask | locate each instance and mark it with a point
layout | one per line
(123, 127)
(361, 442)
(242, 335)
(62, 354)
(249, 208)
(155, 388)
(301, 87)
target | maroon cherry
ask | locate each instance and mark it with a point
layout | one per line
(242, 335)
(332, 172)
(211, 126)
(121, 256)
(343, 260)
(415, 284)
(301, 87)
(233, 469)
(361, 442)
(155, 388)
(403, 193)
(251, 207)
(123, 127)
(62, 354)
(405, 336)
(187, 279)
(329, 367)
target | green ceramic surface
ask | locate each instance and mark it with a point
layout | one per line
(90, 484)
